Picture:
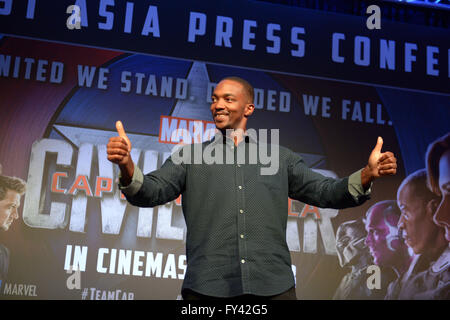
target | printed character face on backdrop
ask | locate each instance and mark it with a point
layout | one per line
(350, 245)
(382, 232)
(11, 189)
(416, 223)
(230, 105)
(442, 215)
(9, 209)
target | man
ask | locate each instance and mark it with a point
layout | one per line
(438, 167)
(417, 205)
(236, 218)
(434, 283)
(385, 245)
(11, 189)
(353, 253)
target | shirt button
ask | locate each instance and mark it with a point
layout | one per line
(241, 211)
(243, 261)
(240, 187)
(242, 236)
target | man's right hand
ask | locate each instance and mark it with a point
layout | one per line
(118, 150)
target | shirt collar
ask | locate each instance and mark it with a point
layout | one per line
(219, 137)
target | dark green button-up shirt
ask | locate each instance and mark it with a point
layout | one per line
(236, 218)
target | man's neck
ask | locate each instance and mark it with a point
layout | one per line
(237, 135)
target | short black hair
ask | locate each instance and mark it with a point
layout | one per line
(418, 182)
(248, 88)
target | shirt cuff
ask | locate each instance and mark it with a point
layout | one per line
(355, 187)
(136, 182)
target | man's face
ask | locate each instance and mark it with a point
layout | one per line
(381, 234)
(8, 209)
(229, 104)
(349, 245)
(442, 215)
(417, 226)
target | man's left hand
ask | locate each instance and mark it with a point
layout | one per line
(379, 164)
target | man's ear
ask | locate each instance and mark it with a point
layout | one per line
(431, 208)
(249, 108)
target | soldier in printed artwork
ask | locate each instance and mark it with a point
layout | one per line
(11, 190)
(388, 250)
(352, 252)
(434, 283)
(426, 239)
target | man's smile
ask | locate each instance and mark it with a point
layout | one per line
(220, 116)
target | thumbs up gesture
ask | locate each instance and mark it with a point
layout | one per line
(379, 164)
(118, 150)
(122, 134)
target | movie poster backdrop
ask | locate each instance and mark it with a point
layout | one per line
(326, 82)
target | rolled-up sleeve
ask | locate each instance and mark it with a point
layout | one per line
(136, 182)
(356, 189)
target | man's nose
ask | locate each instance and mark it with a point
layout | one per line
(219, 105)
(441, 217)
